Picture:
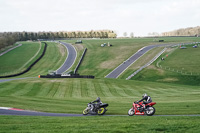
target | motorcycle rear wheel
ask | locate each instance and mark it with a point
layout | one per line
(150, 111)
(101, 111)
(131, 112)
(85, 111)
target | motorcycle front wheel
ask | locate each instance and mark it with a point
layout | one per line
(101, 111)
(85, 111)
(131, 112)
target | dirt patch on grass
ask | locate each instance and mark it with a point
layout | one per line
(56, 81)
(120, 54)
(161, 72)
(43, 81)
(108, 64)
(62, 49)
(79, 47)
(169, 79)
(170, 50)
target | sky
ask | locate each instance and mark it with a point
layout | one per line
(138, 16)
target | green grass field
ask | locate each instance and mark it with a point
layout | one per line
(72, 95)
(20, 58)
(184, 60)
(7, 47)
(119, 124)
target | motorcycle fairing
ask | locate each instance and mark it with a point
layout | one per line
(151, 104)
(103, 105)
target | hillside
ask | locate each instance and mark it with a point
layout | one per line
(54, 57)
(20, 58)
(180, 66)
(99, 61)
(172, 97)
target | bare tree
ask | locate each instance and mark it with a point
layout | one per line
(125, 34)
(132, 35)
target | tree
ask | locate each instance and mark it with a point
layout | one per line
(65, 35)
(112, 35)
(125, 34)
(132, 35)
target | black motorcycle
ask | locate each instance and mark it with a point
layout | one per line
(95, 109)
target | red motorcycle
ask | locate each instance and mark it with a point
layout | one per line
(147, 109)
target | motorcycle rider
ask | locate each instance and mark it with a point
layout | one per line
(96, 103)
(147, 100)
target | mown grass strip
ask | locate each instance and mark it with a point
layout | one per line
(103, 124)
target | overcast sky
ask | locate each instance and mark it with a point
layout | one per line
(138, 16)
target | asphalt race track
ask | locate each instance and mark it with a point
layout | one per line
(121, 68)
(71, 57)
(4, 80)
(20, 112)
(32, 113)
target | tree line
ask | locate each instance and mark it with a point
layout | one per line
(191, 31)
(9, 38)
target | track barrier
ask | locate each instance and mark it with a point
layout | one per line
(70, 76)
(76, 69)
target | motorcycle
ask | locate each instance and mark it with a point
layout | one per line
(95, 109)
(147, 109)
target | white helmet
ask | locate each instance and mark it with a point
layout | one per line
(144, 95)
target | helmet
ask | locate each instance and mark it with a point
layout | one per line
(98, 99)
(144, 95)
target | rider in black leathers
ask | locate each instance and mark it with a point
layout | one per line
(146, 99)
(96, 103)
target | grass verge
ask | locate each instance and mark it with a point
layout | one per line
(92, 124)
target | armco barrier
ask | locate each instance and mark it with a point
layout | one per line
(76, 69)
(71, 76)
(13, 75)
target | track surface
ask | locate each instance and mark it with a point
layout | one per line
(4, 80)
(71, 57)
(121, 68)
(34, 113)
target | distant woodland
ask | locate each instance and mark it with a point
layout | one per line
(191, 31)
(9, 38)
